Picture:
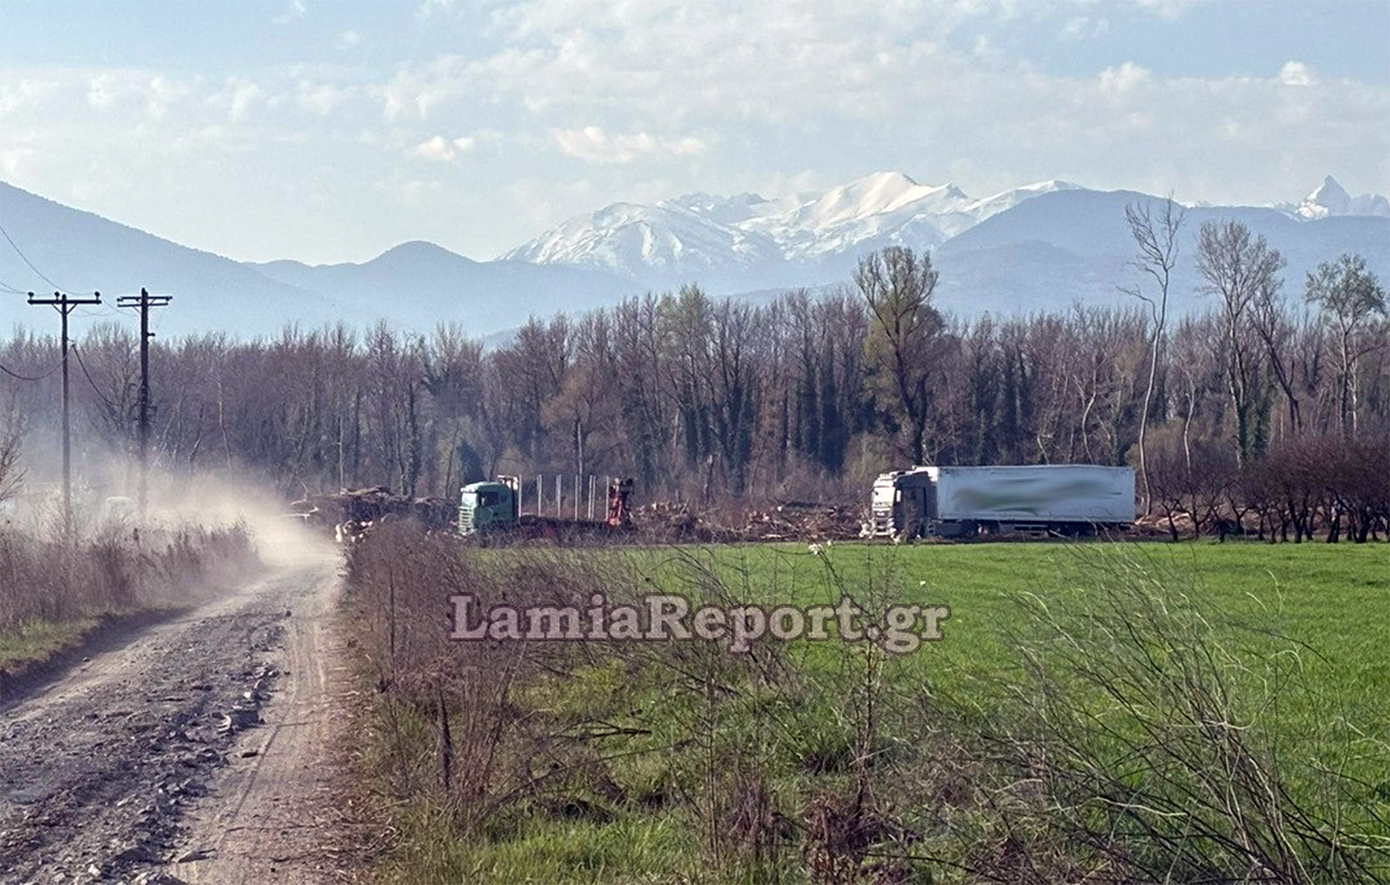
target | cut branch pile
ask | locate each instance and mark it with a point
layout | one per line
(666, 521)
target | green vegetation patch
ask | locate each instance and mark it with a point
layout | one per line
(36, 641)
(1197, 711)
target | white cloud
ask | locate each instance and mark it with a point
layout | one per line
(428, 8)
(26, 93)
(16, 155)
(1168, 10)
(819, 90)
(444, 150)
(1080, 27)
(237, 97)
(417, 92)
(819, 83)
(660, 65)
(349, 39)
(294, 11)
(105, 89)
(593, 145)
(1296, 73)
(161, 93)
(321, 98)
(1124, 79)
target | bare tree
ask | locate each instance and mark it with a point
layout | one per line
(898, 287)
(1276, 329)
(11, 435)
(643, 411)
(1238, 266)
(452, 367)
(585, 409)
(1350, 297)
(1157, 241)
(734, 388)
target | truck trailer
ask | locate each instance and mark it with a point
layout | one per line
(956, 502)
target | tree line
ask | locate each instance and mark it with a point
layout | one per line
(798, 397)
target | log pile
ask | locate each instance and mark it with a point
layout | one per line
(665, 522)
(361, 508)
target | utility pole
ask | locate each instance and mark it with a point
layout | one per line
(66, 305)
(143, 302)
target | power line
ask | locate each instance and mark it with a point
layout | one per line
(77, 352)
(14, 374)
(106, 312)
(26, 260)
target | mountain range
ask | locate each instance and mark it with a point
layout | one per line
(751, 242)
(1043, 246)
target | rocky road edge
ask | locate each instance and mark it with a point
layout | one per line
(98, 768)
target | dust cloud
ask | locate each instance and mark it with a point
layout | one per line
(105, 501)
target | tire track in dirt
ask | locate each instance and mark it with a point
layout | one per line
(273, 816)
(109, 771)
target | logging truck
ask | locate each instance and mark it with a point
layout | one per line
(494, 509)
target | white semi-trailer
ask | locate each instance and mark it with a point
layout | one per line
(963, 501)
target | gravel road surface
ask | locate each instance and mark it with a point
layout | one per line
(199, 749)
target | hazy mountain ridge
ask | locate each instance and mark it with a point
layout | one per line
(414, 285)
(417, 285)
(1034, 248)
(81, 253)
(1075, 245)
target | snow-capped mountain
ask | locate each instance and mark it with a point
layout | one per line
(1033, 247)
(1038, 248)
(1331, 199)
(887, 205)
(748, 240)
(669, 239)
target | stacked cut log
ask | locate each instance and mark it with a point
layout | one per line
(361, 508)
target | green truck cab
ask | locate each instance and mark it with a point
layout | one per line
(487, 505)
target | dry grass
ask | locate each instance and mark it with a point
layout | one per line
(47, 579)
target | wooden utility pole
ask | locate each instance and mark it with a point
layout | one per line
(143, 302)
(65, 305)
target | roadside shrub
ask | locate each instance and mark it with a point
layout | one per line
(119, 570)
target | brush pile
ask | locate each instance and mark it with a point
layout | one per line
(804, 522)
(665, 521)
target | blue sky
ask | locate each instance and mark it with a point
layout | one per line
(331, 131)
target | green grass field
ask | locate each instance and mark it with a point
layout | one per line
(1333, 599)
(1307, 626)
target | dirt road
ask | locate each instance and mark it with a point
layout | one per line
(197, 750)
